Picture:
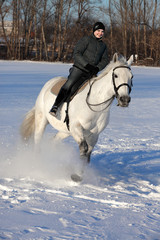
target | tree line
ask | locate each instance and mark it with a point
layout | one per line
(49, 29)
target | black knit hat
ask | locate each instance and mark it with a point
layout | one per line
(98, 25)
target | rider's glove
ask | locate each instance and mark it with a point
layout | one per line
(92, 69)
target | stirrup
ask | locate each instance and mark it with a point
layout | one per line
(53, 111)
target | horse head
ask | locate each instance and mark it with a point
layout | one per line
(122, 80)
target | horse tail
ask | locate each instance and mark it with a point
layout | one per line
(28, 125)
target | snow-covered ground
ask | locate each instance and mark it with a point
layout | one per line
(119, 198)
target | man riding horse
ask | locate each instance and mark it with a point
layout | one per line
(90, 57)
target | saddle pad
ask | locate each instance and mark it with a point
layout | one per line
(55, 89)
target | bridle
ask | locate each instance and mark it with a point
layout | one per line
(109, 101)
(123, 84)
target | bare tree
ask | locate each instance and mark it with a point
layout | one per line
(4, 9)
(144, 28)
(35, 28)
(153, 27)
(111, 26)
(42, 38)
(64, 36)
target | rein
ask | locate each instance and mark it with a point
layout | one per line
(90, 105)
(109, 101)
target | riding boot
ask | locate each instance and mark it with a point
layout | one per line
(59, 100)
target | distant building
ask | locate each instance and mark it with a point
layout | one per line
(7, 26)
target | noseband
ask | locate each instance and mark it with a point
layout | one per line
(123, 84)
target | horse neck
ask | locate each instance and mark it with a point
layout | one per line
(102, 88)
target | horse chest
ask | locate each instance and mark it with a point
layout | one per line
(96, 124)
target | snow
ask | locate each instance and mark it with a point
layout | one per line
(119, 198)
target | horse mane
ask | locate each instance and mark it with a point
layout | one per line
(112, 64)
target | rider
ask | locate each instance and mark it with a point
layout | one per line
(90, 57)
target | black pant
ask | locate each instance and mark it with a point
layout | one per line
(75, 79)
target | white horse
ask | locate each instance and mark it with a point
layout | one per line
(88, 111)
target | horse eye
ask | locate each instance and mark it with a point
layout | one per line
(115, 75)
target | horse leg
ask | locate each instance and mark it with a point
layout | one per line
(91, 141)
(40, 124)
(83, 147)
(77, 132)
(85, 157)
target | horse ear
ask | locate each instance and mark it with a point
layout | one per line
(115, 57)
(130, 60)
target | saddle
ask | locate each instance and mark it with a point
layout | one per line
(56, 88)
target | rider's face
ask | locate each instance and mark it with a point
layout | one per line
(99, 33)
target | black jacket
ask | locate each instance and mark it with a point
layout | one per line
(90, 50)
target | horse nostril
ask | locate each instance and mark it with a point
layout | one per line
(125, 99)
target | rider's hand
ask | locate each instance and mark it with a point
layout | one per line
(92, 69)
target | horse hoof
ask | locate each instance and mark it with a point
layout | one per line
(76, 178)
